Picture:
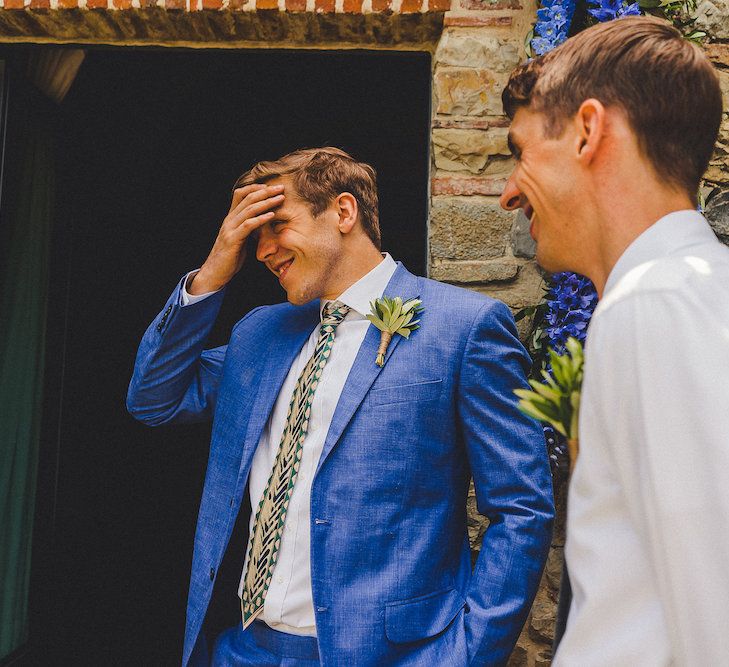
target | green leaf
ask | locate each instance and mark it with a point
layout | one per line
(545, 391)
(405, 333)
(377, 322)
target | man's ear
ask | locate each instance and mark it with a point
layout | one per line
(590, 129)
(347, 209)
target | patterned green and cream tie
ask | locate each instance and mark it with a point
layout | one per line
(271, 513)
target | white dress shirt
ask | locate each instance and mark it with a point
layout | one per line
(648, 513)
(289, 605)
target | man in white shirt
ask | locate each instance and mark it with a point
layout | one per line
(357, 470)
(612, 132)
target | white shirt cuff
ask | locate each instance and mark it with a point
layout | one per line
(187, 299)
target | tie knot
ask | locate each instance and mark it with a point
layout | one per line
(334, 313)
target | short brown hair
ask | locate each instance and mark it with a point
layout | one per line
(321, 174)
(666, 86)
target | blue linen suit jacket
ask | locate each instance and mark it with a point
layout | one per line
(392, 581)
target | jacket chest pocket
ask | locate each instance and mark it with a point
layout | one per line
(406, 393)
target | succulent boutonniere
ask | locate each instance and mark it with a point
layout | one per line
(557, 400)
(393, 316)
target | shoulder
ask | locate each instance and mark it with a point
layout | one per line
(459, 308)
(697, 277)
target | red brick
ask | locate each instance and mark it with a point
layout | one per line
(439, 5)
(410, 6)
(475, 185)
(266, 4)
(212, 4)
(295, 5)
(477, 21)
(96, 4)
(175, 4)
(40, 4)
(324, 6)
(352, 6)
(13, 4)
(380, 5)
(119, 4)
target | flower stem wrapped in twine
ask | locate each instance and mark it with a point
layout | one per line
(393, 316)
(385, 338)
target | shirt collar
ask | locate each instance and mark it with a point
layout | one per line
(670, 234)
(368, 288)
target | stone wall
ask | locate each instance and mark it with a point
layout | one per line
(475, 244)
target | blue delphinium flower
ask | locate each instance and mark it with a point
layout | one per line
(553, 22)
(571, 300)
(607, 10)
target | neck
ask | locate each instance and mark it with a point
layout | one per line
(621, 220)
(355, 264)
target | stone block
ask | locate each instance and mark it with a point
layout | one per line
(526, 290)
(475, 272)
(718, 171)
(476, 21)
(522, 243)
(463, 91)
(519, 656)
(471, 48)
(467, 150)
(468, 228)
(717, 213)
(542, 617)
(553, 569)
(713, 17)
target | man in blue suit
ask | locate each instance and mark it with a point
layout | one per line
(357, 472)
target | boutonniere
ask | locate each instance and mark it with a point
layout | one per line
(393, 316)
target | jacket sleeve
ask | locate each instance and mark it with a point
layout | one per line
(174, 379)
(512, 480)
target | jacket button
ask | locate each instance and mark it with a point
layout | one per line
(212, 574)
(322, 609)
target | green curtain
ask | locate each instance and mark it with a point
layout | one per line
(25, 232)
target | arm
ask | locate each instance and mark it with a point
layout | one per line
(508, 458)
(174, 380)
(666, 406)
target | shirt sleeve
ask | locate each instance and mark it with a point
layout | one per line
(187, 299)
(662, 372)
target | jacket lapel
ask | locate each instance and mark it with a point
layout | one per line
(364, 370)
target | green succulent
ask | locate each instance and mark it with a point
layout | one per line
(393, 316)
(556, 401)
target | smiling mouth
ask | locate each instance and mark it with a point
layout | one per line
(283, 268)
(530, 213)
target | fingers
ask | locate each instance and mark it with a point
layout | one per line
(251, 194)
(240, 193)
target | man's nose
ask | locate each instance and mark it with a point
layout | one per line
(511, 197)
(267, 245)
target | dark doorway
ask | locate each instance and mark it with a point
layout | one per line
(152, 142)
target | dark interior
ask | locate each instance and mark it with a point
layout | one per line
(149, 145)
